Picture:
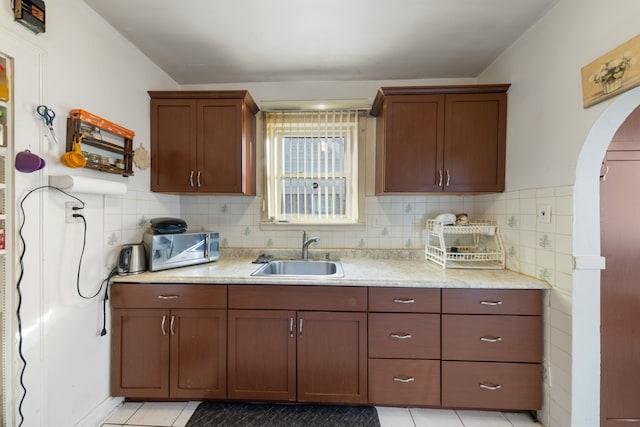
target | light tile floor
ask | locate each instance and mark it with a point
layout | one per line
(177, 414)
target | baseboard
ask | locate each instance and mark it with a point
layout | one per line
(100, 413)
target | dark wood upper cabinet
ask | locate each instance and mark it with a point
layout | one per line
(203, 141)
(437, 138)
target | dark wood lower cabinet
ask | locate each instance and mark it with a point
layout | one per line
(198, 357)
(262, 355)
(282, 355)
(139, 353)
(404, 382)
(332, 357)
(487, 385)
(160, 353)
(328, 344)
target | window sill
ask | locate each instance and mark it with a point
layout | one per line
(271, 226)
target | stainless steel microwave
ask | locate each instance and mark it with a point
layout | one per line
(166, 251)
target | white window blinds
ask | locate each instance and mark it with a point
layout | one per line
(312, 166)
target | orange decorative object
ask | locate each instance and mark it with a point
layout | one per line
(90, 118)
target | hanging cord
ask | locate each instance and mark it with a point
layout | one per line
(106, 282)
(19, 282)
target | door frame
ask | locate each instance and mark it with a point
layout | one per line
(585, 388)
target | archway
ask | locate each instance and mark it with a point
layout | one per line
(585, 394)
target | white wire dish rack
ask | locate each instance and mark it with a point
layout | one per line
(477, 245)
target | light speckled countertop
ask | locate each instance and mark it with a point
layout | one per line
(365, 271)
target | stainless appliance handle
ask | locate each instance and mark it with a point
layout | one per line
(207, 238)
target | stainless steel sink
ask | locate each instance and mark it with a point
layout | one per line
(300, 268)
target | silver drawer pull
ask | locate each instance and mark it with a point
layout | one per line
(404, 380)
(164, 319)
(400, 335)
(168, 296)
(490, 386)
(404, 300)
(491, 339)
(173, 321)
(490, 302)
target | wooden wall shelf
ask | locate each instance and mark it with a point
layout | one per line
(79, 119)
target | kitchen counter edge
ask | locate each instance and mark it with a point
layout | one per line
(358, 272)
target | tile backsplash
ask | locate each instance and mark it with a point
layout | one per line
(391, 222)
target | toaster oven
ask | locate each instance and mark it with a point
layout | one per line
(166, 251)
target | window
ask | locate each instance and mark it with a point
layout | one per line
(312, 166)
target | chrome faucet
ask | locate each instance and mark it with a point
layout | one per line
(305, 245)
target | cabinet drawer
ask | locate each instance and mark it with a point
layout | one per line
(404, 382)
(404, 335)
(516, 386)
(492, 301)
(492, 338)
(138, 295)
(268, 297)
(404, 300)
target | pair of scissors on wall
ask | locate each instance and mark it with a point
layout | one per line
(47, 114)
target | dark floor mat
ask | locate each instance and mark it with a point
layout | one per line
(210, 414)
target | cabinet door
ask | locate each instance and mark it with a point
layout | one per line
(140, 353)
(474, 144)
(411, 130)
(332, 357)
(173, 145)
(220, 146)
(262, 355)
(198, 354)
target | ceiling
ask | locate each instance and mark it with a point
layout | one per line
(224, 41)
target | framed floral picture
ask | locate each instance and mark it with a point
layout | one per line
(612, 73)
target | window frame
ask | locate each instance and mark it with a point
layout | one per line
(351, 173)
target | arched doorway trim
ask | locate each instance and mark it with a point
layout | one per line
(585, 393)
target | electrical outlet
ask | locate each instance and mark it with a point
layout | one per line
(69, 211)
(544, 214)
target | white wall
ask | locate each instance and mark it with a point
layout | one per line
(79, 62)
(547, 131)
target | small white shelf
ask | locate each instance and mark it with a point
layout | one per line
(477, 245)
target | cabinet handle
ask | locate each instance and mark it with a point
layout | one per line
(300, 327)
(168, 296)
(491, 339)
(490, 386)
(291, 327)
(404, 300)
(400, 335)
(448, 177)
(404, 380)
(164, 319)
(440, 178)
(198, 180)
(490, 302)
(173, 320)
(191, 178)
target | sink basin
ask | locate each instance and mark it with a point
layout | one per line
(292, 268)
